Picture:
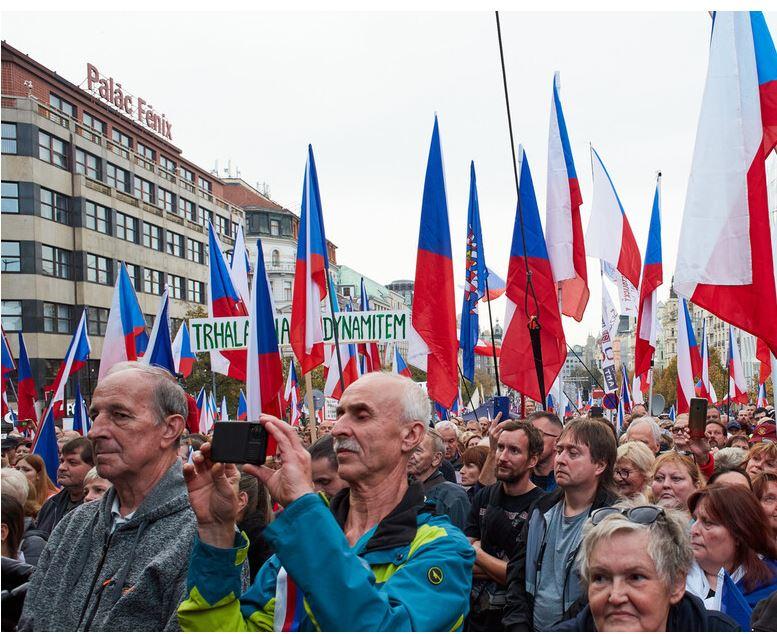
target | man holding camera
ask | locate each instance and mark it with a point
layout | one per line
(374, 561)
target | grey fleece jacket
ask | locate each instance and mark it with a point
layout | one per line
(132, 580)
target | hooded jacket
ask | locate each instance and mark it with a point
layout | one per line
(689, 615)
(132, 579)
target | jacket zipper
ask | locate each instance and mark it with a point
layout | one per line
(96, 576)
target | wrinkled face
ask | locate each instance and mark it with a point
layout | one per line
(370, 438)
(625, 592)
(550, 434)
(628, 478)
(450, 440)
(713, 415)
(761, 463)
(574, 466)
(326, 427)
(716, 437)
(512, 456)
(127, 436)
(769, 503)
(326, 478)
(424, 458)
(713, 544)
(672, 485)
(72, 470)
(470, 472)
(28, 470)
(643, 432)
(95, 489)
(680, 433)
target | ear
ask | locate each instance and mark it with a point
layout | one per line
(412, 435)
(677, 590)
(601, 467)
(533, 460)
(242, 501)
(173, 427)
(4, 531)
(437, 460)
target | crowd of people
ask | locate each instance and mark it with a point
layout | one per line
(388, 522)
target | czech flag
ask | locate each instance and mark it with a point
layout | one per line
(516, 364)
(310, 286)
(182, 351)
(724, 259)
(433, 345)
(81, 421)
(707, 388)
(264, 380)
(566, 249)
(619, 420)
(27, 391)
(160, 350)
(496, 287)
(671, 413)
(638, 384)
(609, 236)
(688, 360)
(224, 301)
(7, 361)
(399, 366)
(125, 332)
(762, 400)
(652, 278)
(475, 273)
(625, 394)
(334, 387)
(484, 349)
(369, 352)
(737, 386)
(440, 411)
(240, 266)
(242, 407)
(75, 358)
(292, 397)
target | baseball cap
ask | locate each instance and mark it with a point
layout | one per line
(765, 430)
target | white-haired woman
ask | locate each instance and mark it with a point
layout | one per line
(634, 561)
(632, 469)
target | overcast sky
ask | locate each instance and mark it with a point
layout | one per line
(363, 88)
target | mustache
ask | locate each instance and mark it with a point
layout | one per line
(347, 444)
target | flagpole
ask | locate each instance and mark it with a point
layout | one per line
(466, 389)
(89, 377)
(650, 390)
(330, 289)
(593, 376)
(571, 401)
(493, 344)
(311, 406)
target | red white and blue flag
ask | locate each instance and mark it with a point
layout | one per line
(242, 407)
(620, 418)
(707, 388)
(264, 380)
(433, 344)
(75, 358)
(224, 300)
(399, 366)
(688, 359)
(310, 285)
(240, 265)
(291, 396)
(516, 362)
(609, 236)
(496, 287)
(159, 351)
(348, 360)
(81, 421)
(566, 249)
(27, 392)
(475, 274)
(8, 364)
(369, 352)
(737, 385)
(206, 412)
(625, 392)
(652, 278)
(762, 400)
(724, 260)
(183, 355)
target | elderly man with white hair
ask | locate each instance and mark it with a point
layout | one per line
(374, 560)
(645, 429)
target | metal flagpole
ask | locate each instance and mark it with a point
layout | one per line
(466, 389)
(593, 376)
(493, 343)
(650, 390)
(311, 406)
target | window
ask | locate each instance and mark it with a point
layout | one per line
(167, 163)
(275, 227)
(96, 321)
(87, 164)
(12, 315)
(98, 269)
(206, 216)
(276, 258)
(152, 281)
(152, 236)
(96, 124)
(194, 289)
(55, 101)
(57, 318)
(176, 283)
(10, 198)
(187, 209)
(287, 290)
(126, 227)
(9, 138)
(175, 244)
(133, 273)
(195, 251)
(56, 261)
(52, 149)
(222, 225)
(167, 200)
(144, 189)
(55, 206)
(118, 178)
(122, 139)
(204, 184)
(187, 175)
(146, 152)
(149, 320)
(97, 217)
(11, 257)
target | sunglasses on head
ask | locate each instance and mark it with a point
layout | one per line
(639, 514)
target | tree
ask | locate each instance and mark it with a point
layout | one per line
(665, 382)
(485, 379)
(718, 374)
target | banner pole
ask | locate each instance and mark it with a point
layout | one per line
(493, 344)
(466, 389)
(311, 407)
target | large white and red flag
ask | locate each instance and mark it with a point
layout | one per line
(724, 260)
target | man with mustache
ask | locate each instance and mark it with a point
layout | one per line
(375, 560)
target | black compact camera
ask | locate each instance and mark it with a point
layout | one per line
(239, 442)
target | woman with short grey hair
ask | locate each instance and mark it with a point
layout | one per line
(633, 561)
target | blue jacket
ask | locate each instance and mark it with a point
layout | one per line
(387, 581)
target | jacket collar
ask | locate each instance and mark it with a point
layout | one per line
(397, 529)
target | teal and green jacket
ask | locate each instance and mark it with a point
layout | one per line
(413, 571)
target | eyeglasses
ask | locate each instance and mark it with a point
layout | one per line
(639, 514)
(623, 473)
(679, 430)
